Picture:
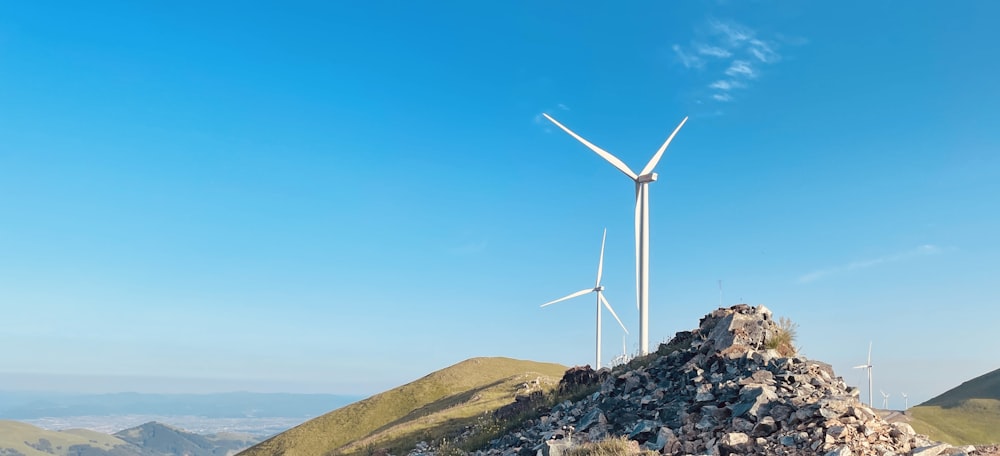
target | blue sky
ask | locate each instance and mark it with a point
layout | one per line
(341, 197)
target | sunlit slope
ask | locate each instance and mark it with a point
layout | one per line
(34, 441)
(964, 415)
(431, 407)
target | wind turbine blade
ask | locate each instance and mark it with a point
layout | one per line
(861, 367)
(600, 264)
(869, 353)
(613, 314)
(659, 153)
(638, 221)
(579, 293)
(603, 153)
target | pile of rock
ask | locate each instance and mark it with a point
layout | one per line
(720, 390)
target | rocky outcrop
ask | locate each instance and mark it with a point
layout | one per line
(720, 390)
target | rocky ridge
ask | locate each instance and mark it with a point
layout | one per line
(719, 390)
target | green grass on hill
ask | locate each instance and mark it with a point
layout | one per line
(34, 441)
(436, 406)
(968, 414)
(974, 422)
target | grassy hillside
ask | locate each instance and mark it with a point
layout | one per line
(33, 441)
(430, 408)
(966, 414)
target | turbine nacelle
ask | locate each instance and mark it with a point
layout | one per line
(646, 178)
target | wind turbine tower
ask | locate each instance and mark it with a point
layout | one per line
(885, 400)
(642, 180)
(906, 401)
(599, 289)
(868, 367)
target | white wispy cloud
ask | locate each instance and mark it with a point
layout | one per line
(688, 60)
(563, 107)
(763, 51)
(919, 251)
(731, 54)
(741, 68)
(713, 51)
(732, 33)
(727, 84)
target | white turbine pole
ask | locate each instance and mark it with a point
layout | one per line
(869, 373)
(597, 359)
(906, 401)
(642, 181)
(868, 367)
(885, 400)
(599, 289)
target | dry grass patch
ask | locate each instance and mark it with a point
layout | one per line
(614, 446)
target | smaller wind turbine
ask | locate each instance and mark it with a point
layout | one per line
(906, 401)
(868, 367)
(885, 400)
(599, 289)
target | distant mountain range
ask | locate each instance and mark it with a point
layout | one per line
(30, 405)
(150, 439)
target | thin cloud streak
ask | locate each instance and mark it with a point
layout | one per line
(724, 84)
(730, 53)
(733, 33)
(922, 250)
(713, 51)
(688, 60)
(741, 68)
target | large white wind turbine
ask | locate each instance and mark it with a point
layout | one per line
(885, 400)
(642, 180)
(599, 289)
(906, 401)
(868, 367)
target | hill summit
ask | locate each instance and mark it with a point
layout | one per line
(433, 407)
(734, 385)
(966, 414)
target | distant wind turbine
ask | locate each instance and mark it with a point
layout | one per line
(599, 289)
(868, 367)
(885, 400)
(642, 180)
(906, 401)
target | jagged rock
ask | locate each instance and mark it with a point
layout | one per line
(931, 450)
(734, 442)
(643, 430)
(579, 377)
(718, 390)
(840, 451)
(595, 416)
(555, 447)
